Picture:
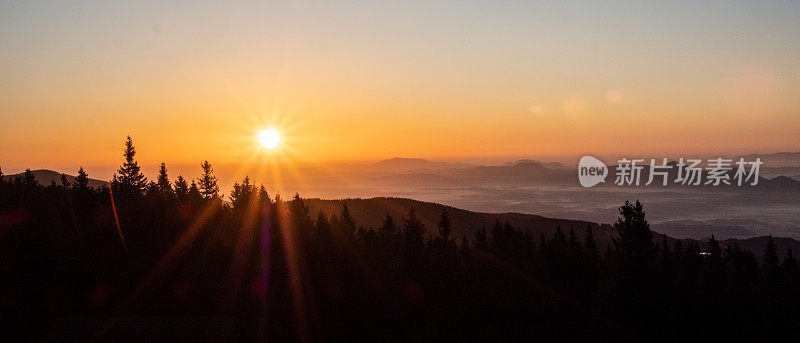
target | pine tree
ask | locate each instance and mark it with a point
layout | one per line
(772, 272)
(164, 186)
(543, 246)
(152, 189)
(592, 267)
(388, 230)
(194, 194)
(481, 240)
(82, 180)
(573, 244)
(770, 253)
(714, 269)
(129, 177)
(444, 225)
(28, 179)
(634, 241)
(413, 239)
(666, 252)
(208, 182)
(498, 241)
(241, 195)
(714, 249)
(559, 244)
(347, 225)
(789, 261)
(299, 211)
(64, 182)
(323, 225)
(463, 248)
(181, 189)
(635, 257)
(263, 196)
(590, 248)
(677, 249)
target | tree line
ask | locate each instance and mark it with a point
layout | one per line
(177, 248)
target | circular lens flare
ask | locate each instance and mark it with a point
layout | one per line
(269, 139)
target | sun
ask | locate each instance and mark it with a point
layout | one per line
(269, 138)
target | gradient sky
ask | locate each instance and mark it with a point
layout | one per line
(361, 80)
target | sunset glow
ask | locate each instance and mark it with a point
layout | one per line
(372, 92)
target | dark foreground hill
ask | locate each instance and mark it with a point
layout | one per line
(371, 212)
(45, 177)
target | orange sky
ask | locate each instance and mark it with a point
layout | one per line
(375, 81)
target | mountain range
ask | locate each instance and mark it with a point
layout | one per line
(530, 172)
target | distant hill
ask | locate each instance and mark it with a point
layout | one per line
(44, 177)
(522, 171)
(701, 230)
(780, 183)
(756, 245)
(780, 159)
(530, 172)
(400, 164)
(371, 212)
(551, 165)
(773, 176)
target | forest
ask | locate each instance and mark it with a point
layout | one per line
(178, 248)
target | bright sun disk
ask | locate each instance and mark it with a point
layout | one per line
(269, 139)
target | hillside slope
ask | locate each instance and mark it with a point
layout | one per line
(370, 213)
(44, 177)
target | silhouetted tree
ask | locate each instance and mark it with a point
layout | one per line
(129, 177)
(346, 224)
(666, 251)
(591, 268)
(29, 179)
(574, 246)
(164, 186)
(634, 241)
(413, 240)
(82, 180)
(389, 228)
(243, 194)
(444, 225)
(772, 272)
(181, 189)
(481, 240)
(208, 182)
(770, 253)
(590, 247)
(789, 261)
(263, 196)
(194, 194)
(463, 249)
(498, 239)
(323, 228)
(635, 255)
